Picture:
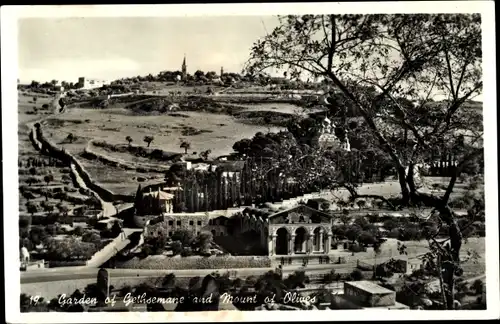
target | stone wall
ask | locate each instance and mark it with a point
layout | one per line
(115, 162)
(47, 147)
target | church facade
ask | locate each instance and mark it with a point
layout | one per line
(299, 230)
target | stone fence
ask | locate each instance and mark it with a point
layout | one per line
(121, 163)
(47, 147)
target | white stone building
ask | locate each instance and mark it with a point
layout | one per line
(86, 83)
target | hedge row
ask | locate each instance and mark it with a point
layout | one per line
(213, 262)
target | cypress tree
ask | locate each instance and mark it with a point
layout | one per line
(138, 201)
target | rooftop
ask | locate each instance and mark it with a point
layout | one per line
(369, 286)
(162, 194)
(231, 166)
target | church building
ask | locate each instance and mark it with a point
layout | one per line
(298, 230)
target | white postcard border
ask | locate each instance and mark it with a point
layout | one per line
(9, 17)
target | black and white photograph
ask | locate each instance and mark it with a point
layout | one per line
(235, 159)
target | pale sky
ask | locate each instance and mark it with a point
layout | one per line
(111, 48)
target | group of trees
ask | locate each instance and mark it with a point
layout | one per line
(69, 249)
(405, 58)
(33, 162)
(361, 231)
(209, 77)
(182, 242)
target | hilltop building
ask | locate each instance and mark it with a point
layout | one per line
(86, 83)
(328, 140)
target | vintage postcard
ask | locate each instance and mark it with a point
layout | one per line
(239, 162)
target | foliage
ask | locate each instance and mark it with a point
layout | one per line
(204, 155)
(32, 208)
(78, 231)
(48, 178)
(356, 275)
(185, 145)
(345, 218)
(148, 139)
(91, 236)
(353, 232)
(366, 238)
(176, 247)
(129, 139)
(298, 279)
(69, 249)
(203, 241)
(478, 286)
(184, 236)
(390, 68)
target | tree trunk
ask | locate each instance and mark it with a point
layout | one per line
(451, 264)
(405, 192)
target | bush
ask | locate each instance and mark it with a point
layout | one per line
(176, 247)
(186, 237)
(356, 248)
(366, 238)
(90, 236)
(478, 286)
(187, 251)
(78, 231)
(394, 233)
(410, 233)
(356, 275)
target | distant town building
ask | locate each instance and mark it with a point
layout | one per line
(86, 83)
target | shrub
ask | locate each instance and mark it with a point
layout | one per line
(477, 286)
(187, 251)
(362, 222)
(176, 247)
(356, 275)
(91, 237)
(184, 236)
(356, 248)
(366, 238)
(78, 231)
(394, 233)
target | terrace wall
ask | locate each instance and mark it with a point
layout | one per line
(121, 163)
(47, 147)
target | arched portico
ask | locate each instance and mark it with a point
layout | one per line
(319, 240)
(300, 241)
(300, 230)
(282, 237)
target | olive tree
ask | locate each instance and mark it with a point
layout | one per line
(417, 73)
